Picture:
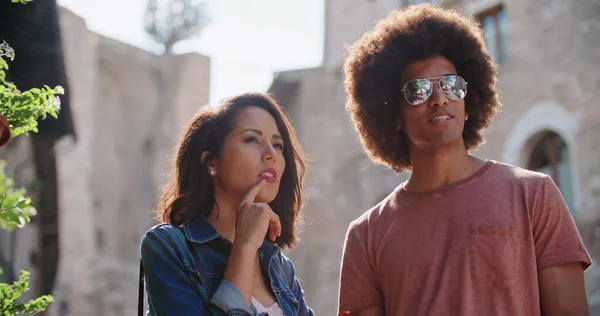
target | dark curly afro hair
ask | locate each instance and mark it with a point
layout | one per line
(376, 61)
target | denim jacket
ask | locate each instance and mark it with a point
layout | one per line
(184, 269)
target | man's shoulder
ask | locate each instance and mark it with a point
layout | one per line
(516, 174)
(375, 213)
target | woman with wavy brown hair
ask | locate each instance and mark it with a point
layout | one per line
(232, 203)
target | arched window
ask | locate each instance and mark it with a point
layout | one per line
(550, 155)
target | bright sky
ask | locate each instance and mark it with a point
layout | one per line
(247, 40)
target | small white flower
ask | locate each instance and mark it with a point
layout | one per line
(57, 102)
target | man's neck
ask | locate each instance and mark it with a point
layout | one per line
(434, 169)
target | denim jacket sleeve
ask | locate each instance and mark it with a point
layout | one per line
(295, 287)
(170, 288)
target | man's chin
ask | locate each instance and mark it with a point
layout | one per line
(443, 140)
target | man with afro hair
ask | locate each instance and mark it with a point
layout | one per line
(462, 236)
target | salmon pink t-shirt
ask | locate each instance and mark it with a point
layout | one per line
(471, 248)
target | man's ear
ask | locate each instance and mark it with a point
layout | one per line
(399, 122)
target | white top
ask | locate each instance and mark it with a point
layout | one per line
(274, 310)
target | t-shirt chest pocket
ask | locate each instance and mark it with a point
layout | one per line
(494, 256)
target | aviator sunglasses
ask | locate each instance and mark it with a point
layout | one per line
(417, 91)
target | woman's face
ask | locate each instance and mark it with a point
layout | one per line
(252, 151)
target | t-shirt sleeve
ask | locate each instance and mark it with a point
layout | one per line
(557, 240)
(359, 285)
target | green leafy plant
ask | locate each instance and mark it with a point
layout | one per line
(10, 293)
(15, 208)
(22, 110)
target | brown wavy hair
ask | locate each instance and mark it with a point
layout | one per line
(190, 191)
(376, 61)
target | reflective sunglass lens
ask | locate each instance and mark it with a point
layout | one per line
(454, 87)
(417, 91)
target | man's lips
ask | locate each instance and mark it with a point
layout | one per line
(439, 118)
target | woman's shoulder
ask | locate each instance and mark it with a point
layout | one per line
(164, 235)
(286, 262)
(287, 265)
(160, 231)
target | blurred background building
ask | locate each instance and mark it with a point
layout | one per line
(129, 105)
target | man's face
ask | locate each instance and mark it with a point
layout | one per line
(439, 121)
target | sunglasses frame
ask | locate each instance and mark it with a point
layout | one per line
(432, 81)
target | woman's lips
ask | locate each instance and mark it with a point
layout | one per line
(270, 175)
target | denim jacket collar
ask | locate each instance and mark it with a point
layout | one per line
(199, 230)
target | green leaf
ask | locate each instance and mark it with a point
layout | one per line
(24, 203)
(10, 216)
